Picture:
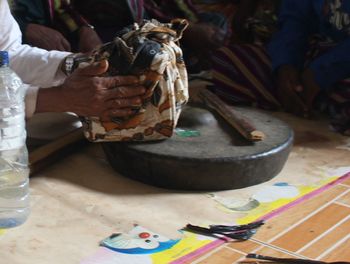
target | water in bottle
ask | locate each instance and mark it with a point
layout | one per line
(14, 189)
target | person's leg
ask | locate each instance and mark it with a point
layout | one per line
(337, 105)
(242, 75)
(335, 101)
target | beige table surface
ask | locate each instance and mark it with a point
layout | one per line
(80, 200)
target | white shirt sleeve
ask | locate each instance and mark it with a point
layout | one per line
(36, 67)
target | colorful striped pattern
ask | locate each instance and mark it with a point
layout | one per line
(242, 74)
(316, 229)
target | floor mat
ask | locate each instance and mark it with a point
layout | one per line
(273, 200)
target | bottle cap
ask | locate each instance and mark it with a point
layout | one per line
(4, 58)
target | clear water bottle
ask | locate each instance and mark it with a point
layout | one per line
(14, 172)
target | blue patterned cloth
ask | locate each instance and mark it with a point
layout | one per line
(300, 19)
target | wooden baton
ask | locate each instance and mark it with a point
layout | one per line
(242, 125)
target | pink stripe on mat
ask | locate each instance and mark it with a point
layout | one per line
(201, 251)
(305, 197)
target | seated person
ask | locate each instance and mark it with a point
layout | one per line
(214, 23)
(54, 25)
(304, 65)
(66, 25)
(84, 92)
(208, 26)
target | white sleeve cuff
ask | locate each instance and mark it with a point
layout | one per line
(30, 100)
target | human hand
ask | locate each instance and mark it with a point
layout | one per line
(88, 39)
(288, 88)
(46, 38)
(202, 37)
(86, 93)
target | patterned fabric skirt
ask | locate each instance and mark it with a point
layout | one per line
(242, 74)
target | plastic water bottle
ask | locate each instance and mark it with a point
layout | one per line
(14, 172)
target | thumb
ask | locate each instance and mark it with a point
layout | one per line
(96, 68)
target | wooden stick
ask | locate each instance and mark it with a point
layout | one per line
(242, 125)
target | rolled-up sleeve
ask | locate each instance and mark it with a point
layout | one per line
(30, 99)
(36, 67)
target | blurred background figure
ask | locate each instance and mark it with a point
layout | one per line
(54, 25)
(302, 68)
(81, 25)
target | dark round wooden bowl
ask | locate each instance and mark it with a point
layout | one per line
(218, 159)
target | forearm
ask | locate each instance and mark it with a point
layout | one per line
(36, 66)
(41, 100)
(50, 100)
